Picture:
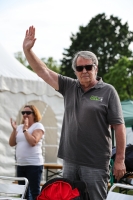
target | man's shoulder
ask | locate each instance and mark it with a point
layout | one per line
(67, 82)
(104, 84)
(66, 78)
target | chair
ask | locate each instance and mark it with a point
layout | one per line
(119, 196)
(9, 189)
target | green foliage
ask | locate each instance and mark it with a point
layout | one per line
(121, 77)
(50, 62)
(21, 58)
(108, 38)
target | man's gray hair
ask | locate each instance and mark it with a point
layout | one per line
(84, 54)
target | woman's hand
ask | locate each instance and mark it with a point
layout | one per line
(12, 139)
(29, 38)
(26, 124)
(13, 124)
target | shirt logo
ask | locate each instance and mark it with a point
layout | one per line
(95, 98)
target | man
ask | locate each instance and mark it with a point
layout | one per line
(91, 106)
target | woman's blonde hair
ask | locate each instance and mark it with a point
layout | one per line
(36, 113)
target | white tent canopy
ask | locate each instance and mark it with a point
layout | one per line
(16, 78)
(20, 86)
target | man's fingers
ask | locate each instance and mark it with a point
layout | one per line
(119, 174)
(31, 31)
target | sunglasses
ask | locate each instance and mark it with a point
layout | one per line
(87, 67)
(26, 112)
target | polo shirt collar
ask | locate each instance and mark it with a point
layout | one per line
(99, 84)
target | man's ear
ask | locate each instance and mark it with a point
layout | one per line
(75, 73)
(97, 69)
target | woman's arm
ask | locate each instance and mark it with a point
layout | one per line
(35, 137)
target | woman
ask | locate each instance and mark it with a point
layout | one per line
(27, 137)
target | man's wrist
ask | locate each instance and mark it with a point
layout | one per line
(119, 158)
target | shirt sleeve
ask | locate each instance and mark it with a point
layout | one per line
(65, 83)
(115, 114)
(38, 125)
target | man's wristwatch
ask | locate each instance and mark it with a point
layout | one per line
(24, 130)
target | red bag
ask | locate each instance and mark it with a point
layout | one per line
(63, 189)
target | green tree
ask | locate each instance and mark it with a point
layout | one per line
(108, 38)
(50, 62)
(121, 77)
(21, 58)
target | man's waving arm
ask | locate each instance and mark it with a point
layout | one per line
(36, 64)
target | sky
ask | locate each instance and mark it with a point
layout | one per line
(55, 21)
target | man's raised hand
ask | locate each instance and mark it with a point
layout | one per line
(29, 39)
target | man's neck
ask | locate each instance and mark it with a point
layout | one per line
(86, 87)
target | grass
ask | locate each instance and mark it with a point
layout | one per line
(124, 191)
